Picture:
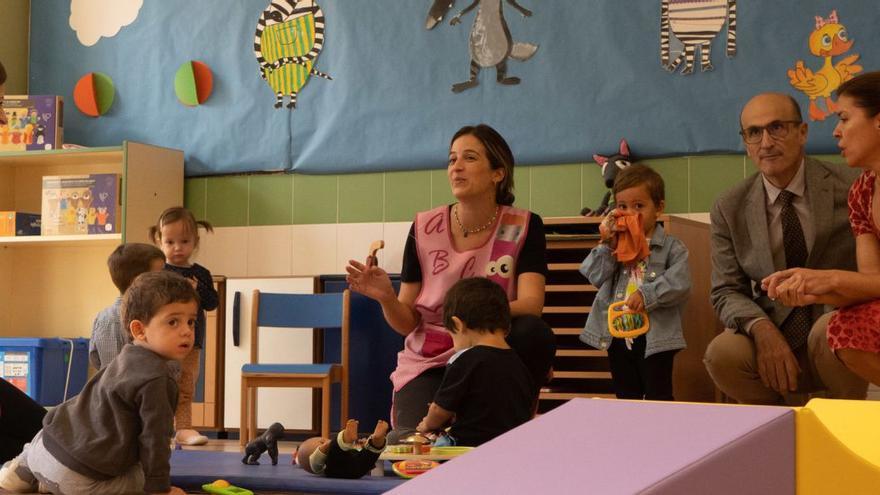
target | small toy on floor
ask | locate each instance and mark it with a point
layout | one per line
(223, 487)
(418, 443)
(344, 456)
(267, 442)
(411, 469)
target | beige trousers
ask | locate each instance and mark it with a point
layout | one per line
(731, 362)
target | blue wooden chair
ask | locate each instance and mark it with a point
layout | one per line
(295, 311)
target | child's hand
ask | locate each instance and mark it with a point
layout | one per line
(194, 282)
(423, 426)
(608, 229)
(635, 301)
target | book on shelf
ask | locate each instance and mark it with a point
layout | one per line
(14, 223)
(34, 122)
(81, 204)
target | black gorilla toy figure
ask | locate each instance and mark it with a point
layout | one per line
(268, 441)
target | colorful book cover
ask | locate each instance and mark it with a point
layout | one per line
(80, 204)
(35, 122)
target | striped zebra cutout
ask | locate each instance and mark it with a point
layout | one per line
(287, 42)
(694, 23)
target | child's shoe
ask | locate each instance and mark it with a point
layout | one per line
(190, 437)
(16, 478)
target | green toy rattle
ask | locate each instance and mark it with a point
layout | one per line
(625, 323)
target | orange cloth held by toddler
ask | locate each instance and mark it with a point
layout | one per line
(631, 242)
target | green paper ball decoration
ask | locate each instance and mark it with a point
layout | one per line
(193, 83)
(93, 94)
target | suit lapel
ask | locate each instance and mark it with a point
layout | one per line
(821, 199)
(756, 222)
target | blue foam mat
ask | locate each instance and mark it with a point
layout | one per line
(191, 469)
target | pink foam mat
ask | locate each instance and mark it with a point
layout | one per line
(611, 447)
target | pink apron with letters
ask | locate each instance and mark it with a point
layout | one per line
(429, 345)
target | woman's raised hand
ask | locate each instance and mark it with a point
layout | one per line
(369, 280)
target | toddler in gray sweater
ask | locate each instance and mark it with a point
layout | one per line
(114, 437)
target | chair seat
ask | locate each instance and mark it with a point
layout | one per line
(300, 369)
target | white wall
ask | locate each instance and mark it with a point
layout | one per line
(296, 250)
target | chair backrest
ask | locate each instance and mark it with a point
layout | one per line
(300, 311)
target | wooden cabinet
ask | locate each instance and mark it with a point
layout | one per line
(207, 406)
(690, 380)
(54, 286)
(578, 370)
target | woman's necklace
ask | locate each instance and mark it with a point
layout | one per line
(481, 228)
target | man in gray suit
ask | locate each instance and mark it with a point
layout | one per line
(794, 212)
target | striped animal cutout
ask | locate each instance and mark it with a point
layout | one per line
(692, 24)
(288, 40)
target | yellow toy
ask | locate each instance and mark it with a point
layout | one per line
(625, 323)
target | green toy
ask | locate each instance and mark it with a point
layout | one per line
(222, 487)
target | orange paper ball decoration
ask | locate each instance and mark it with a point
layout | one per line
(93, 94)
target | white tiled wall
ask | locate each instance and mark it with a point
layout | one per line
(269, 252)
(299, 250)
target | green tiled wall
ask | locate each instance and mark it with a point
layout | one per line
(692, 183)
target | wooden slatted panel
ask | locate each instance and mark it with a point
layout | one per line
(558, 267)
(566, 309)
(568, 396)
(581, 353)
(566, 331)
(601, 375)
(571, 288)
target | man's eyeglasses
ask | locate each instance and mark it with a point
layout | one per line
(777, 129)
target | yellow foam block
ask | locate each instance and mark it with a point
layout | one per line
(838, 447)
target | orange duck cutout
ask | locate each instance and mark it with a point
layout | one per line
(828, 40)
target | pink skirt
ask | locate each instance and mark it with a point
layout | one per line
(856, 327)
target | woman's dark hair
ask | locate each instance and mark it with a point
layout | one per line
(2, 74)
(499, 156)
(865, 90)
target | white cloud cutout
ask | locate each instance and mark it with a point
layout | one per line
(94, 19)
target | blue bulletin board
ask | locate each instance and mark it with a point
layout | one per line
(595, 77)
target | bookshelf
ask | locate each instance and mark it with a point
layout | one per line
(54, 286)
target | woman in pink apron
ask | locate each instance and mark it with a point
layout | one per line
(481, 235)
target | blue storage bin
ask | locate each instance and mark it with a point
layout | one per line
(39, 367)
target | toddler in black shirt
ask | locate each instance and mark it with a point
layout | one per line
(486, 389)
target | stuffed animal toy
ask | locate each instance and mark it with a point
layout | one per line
(611, 165)
(268, 441)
